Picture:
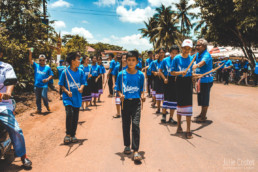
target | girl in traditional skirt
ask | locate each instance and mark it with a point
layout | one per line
(118, 69)
(102, 78)
(95, 72)
(86, 95)
(170, 96)
(158, 83)
(184, 86)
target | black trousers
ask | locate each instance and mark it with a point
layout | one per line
(255, 79)
(110, 84)
(204, 96)
(72, 115)
(149, 83)
(60, 91)
(131, 113)
(226, 75)
(219, 75)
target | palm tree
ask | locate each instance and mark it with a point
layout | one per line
(149, 30)
(167, 32)
(183, 15)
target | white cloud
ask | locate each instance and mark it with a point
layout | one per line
(134, 16)
(105, 2)
(82, 32)
(129, 3)
(85, 22)
(157, 3)
(129, 42)
(59, 24)
(60, 3)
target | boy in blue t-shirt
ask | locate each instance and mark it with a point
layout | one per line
(72, 82)
(42, 75)
(130, 84)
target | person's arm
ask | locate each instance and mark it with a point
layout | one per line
(30, 57)
(199, 65)
(49, 77)
(7, 95)
(114, 81)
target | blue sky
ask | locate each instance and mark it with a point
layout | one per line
(108, 21)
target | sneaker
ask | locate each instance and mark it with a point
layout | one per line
(26, 163)
(163, 120)
(48, 109)
(127, 150)
(171, 121)
(74, 139)
(67, 139)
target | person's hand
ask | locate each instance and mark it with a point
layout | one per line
(80, 90)
(122, 98)
(89, 75)
(143, 99)
(6, 96)
(195, 66)
(166, 81)
(113, 86)
(155, 73)
(184, 73)
(45, 80)
(96, 80)
(69, 93)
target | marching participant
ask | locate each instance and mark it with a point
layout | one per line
(95, 75)
(60, 69)
(112, 65)
(182, 68)
(158, 83)
(149, 74)
(102, 78)
(170, 97)
(203, 64)
(129, 84)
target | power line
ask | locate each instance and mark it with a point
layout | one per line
(85, 9)
(97, 14)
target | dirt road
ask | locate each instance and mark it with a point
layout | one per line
(227, 141)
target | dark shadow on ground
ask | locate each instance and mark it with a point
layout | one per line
(183, 136)
(130, 156)
(70, 151)
(42, 113)
(203, 124)
(81, 122)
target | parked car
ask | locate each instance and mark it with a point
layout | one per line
(106, 64)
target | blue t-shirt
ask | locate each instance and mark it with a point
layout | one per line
(228, 63)
(237, 66)
(132, 84)
(112, 65)
(256, 68)
(79, 78)
(139, 65)
(246, 64)
(155, 66)
(166, 66)
(60, 70)
(206, 57)
(180, 64)
(147, 63)
(41, 73)
(116, 70)
(102, 69)
(86, 70)
(95, 70)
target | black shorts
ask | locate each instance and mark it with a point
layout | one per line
(159, 85)
(244, 70)
(170, 90)
(204, 95)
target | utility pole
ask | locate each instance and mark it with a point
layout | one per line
(44, 10)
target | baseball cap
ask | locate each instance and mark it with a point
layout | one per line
(167, 54)
(187, 42)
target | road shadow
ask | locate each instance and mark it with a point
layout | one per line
(130, 156)
(42, 113)
(71, 145)
(203, 124)
(183, 136)
(81, 122)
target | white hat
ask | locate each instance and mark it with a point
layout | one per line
(226, 56)
(187, 42)
(167, 54)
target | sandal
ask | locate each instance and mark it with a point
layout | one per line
(117, 116)
(179, 130)
(198, 116)
(67, 139)
(127, 150)
(74, 139)
(189, 135)
(137, 156)
(200, 119)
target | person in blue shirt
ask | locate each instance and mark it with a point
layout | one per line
(72, 82)
(130, 85)
(153, 92)
(86, 94)
(204, 63)
(95, 72)
(256, 73)
(42, 75)
(237, 70)
(226, 70)
(148, 72)
(60, 69)
(158, 82)
(102, 77)
(112, 65)
(170, 97)
(184, 86)
(139, 65)
(118, 69)
(244, 69)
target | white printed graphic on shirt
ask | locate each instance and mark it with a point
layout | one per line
(183, 69)
(130, 89)
(40, 72)
(72, 85)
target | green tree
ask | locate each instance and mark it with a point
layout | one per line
(75, 43)
(232, 23)
(100, 47)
